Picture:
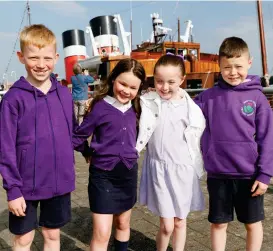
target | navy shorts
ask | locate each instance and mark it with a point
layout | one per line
(225, 195)
(54, 213)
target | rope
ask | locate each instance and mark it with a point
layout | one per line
(18, 34)
(206, 79)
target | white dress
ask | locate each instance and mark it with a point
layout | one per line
(169, 184)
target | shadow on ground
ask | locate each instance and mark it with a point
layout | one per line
(80, 229)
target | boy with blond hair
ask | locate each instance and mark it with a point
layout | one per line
(237, 146)
(36, 160)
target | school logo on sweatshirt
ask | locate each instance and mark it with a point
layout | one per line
(249, 107)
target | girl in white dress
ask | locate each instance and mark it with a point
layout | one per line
(173, 125)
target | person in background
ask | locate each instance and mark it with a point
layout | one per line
(64, 82)
(80, 91)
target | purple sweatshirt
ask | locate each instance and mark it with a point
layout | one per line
(114, 136)
(36, 153)
(238, 139)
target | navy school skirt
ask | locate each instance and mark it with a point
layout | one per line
(112, 192)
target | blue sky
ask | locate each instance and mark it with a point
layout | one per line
(213, 21)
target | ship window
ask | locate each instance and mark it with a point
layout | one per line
(182, 52)
(194, 83)
(193, 52)
(171, 50)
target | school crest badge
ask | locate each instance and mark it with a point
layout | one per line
(249, 107)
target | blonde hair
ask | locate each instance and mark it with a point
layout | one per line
(37, 35)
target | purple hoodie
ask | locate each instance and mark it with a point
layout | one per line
(36, 152)
(238, 139)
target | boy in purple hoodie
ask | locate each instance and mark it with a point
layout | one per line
(36, 153)
(237, 146)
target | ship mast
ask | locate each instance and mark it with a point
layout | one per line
(262, 40)
(131, 24)
(28, 13)
(178, 30)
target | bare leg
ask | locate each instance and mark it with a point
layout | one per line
(218, 236)
(254, 237)
(51, 239)
(179, 234)
(164, 234)
(23, 242)
(102, 224)
(122, 224)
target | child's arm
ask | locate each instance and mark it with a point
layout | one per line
(88, 79)
(12, 181)
(84, 131)
(264, 139)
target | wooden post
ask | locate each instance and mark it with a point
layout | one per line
(131, 25)
(262, 38)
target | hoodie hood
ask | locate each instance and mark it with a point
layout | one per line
(23, 84)
(252, 82)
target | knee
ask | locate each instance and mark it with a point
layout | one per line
(102, 235)
(180, 223)
(24, 240)
(253, 226)
(219, 227)
(167, 229)
(122, 224)
(51, 234)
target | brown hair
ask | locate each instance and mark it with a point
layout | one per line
(77, 69)
(173, 60)
(37, 35)
(233, 47)
(64, 82)
(124, 65)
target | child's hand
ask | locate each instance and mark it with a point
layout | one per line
(259, 188)
(87, 159)
(18, 206)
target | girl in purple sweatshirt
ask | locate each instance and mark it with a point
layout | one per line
(112, 122)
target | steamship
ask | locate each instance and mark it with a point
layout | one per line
(111, 43)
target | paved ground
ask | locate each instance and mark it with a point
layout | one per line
(76, 235)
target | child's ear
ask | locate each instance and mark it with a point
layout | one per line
(250, 62)
(183, 79)
(57, 57)
(20, 57)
